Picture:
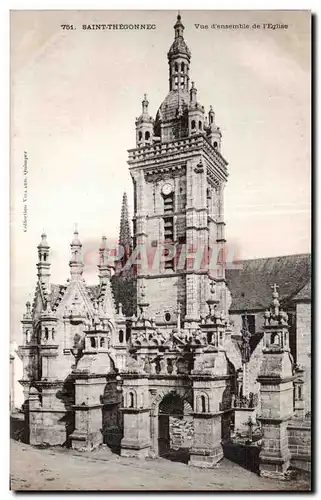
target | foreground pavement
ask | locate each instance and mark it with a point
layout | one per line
(61, 469)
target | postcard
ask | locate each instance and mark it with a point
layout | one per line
(160, 196)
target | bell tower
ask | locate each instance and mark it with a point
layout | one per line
(179, 58)
(179, 178)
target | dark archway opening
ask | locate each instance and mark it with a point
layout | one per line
(175, 428)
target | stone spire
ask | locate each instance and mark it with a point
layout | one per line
(179, 57)
(76, 263)
(43, 264)
(144, 125)
(125, 238)
(103, 267)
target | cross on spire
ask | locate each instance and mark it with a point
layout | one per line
(274, 287)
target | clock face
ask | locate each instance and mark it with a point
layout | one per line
(167, 189)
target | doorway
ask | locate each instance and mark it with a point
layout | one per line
(175, 428)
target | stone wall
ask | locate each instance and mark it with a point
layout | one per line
(303, 333)
(299, 436)
(162, 294)
(181, 431)
(254, 369)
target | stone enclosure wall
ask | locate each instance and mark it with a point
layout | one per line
(181, 431)
(299, 436)
(303, 333)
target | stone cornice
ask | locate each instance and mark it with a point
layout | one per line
(86, 407)
(134, 410)
(183, 149)
(273, 380)
(270, 420)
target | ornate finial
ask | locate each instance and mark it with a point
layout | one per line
(145, 97)
(120, 309)
(28, 313)
(76, 240)
(179, 27)
(275, 293)
(142, 289)
(43, 242)
(103, 252)
(212, 287)
(76, 264)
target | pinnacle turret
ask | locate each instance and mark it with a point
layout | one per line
(76, 262)
(125, 238)
(43, 264)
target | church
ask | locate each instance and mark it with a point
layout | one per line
(153, 360)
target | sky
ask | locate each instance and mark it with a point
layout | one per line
(75, 95)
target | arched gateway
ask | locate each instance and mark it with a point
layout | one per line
(175, 428)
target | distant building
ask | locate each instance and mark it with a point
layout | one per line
(250, 286)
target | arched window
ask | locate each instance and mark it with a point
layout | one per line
(211, 119)
(176, 67)
(167, 316)
(121, 336)
(147, 135)
(193, 124)
(28, 336)
(183, 67)
(275, 339)
(127, 334)
(46, 333)
(203, 404)
(140, 135)
(200, 125)
(92, 341)
(45, 257)
(102, 342)
(215, 145)
(53, 334)
(131, 400)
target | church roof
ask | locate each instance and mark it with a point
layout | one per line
(179, 47)
(250, 286)
(169, 107)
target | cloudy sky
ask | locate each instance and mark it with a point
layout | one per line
(74, 98)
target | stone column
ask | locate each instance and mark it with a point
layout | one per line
(276, 393)
(88, 412)
(136, 412)
(207, 449)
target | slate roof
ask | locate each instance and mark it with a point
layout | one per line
(251, 286)
(168, 109)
